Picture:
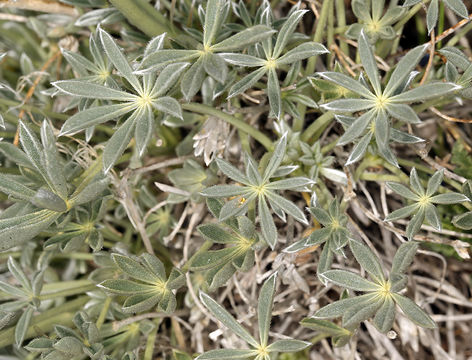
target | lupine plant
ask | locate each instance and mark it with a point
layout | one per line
(230, 179)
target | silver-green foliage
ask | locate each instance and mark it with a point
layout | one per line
(147, 284)
(43, 192)
(261, 189)
(25, 298)
(70, 343)
(373, 21)
(260, 349)
(432, 13)
(206, 57)
(379, 106)
(424, 202)
(139, 106)
(381, 293)
(240, 239)
(268, 58)
(334, 236)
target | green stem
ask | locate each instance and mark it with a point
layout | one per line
(341, 22)
(317, 125)
(150, 342)
(369, 176)
(34, 109)
(103, 312)
(144, 16)
(327, 148)
(319, 32)
(330, 32)
(311, 65)
(77, 256)
(45, 322)
(239, 124)
(66, 288)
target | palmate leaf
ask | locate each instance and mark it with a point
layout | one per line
(423, 207)
(264, 309)
(379, 302)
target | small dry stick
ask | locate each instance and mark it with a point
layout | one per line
(431, 58)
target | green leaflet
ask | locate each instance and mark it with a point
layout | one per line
(286, 31)
(244, 38)
(368, 61)
(264, 308)
(119, 142)
(115, 55)
(226, 319)
(349, 280)
(414, 312)
(287, 346)
(227, 354)
(404, 257)
(367, 260)
(10, 185)
(14, 231)
(94, 116)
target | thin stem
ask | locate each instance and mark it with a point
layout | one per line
(103, 312)
(238, 123)
(150, 342)
(311, 65)
(319, 31)
(318, 124)
(79, 287)
(34, 109)
(341, 22)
